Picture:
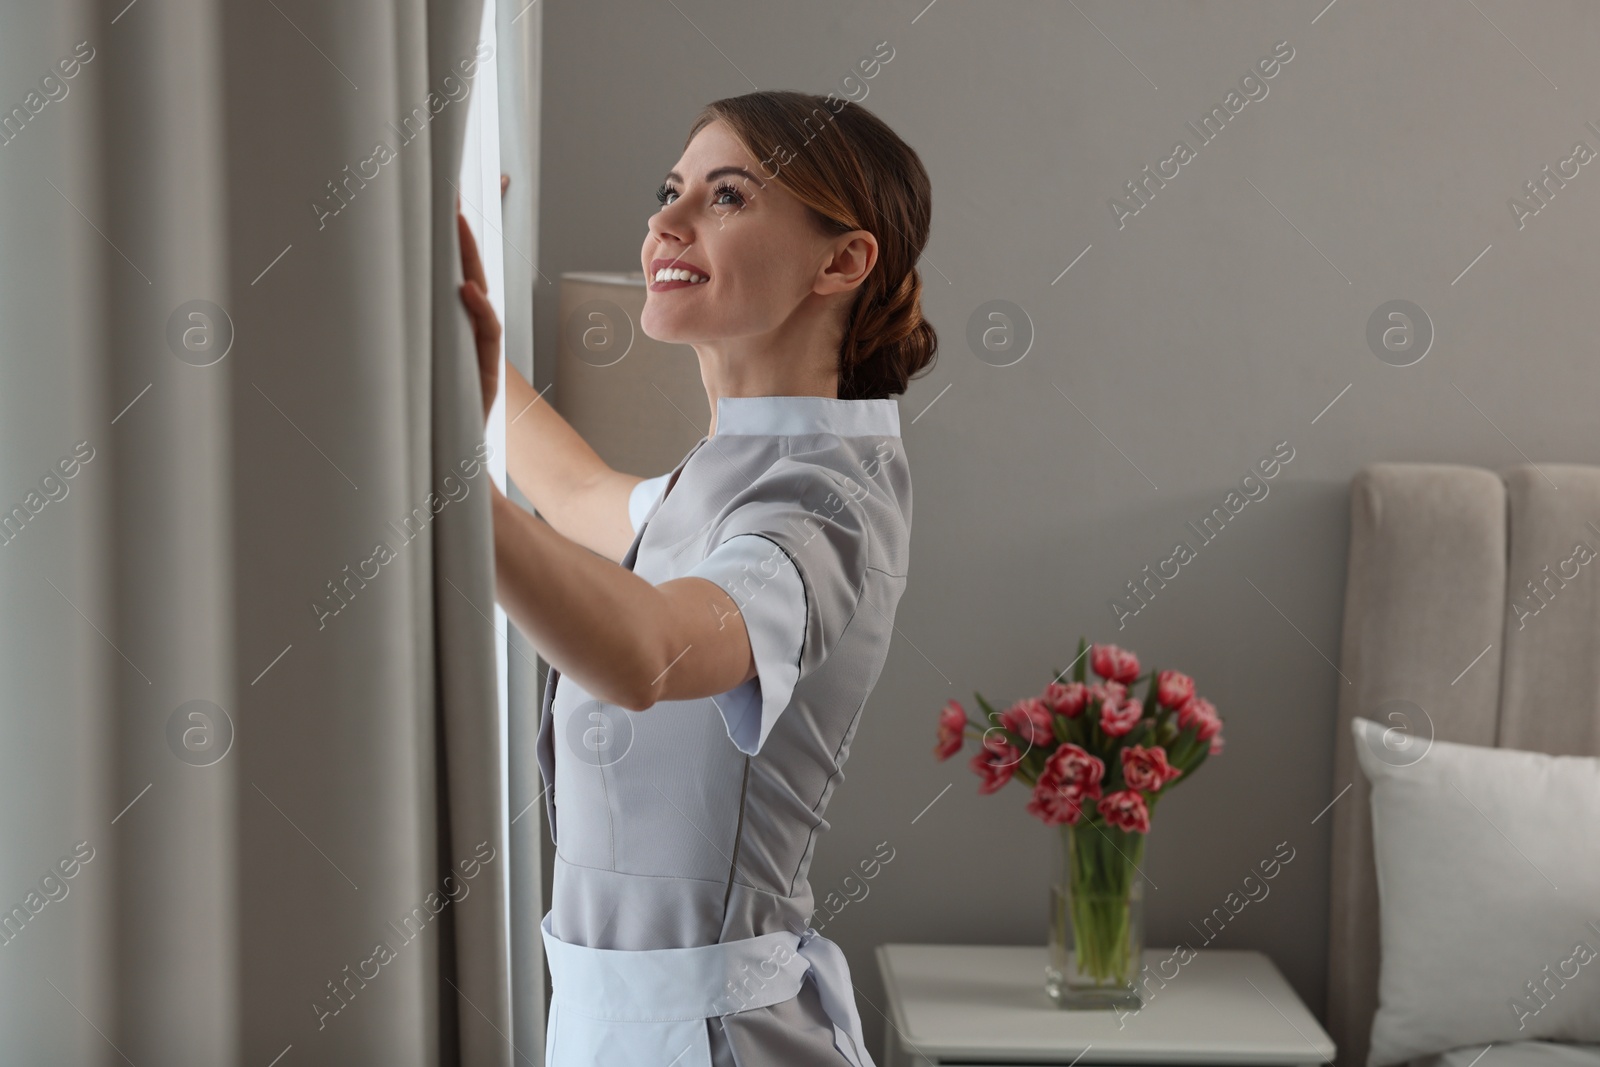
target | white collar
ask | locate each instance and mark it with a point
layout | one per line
(793, 415)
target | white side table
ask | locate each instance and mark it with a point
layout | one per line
(971, 1004)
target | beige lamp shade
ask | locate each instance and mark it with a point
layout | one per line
(638, 402)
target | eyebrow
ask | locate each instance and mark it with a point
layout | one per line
(713, 175)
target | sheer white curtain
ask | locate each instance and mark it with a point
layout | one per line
(251, 795)
(519, 25)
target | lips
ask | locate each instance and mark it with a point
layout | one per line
(657, 265)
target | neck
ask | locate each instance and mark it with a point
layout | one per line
(788, 362)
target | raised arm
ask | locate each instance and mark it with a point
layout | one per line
(628, 642)
(581, 497)
(576, 491)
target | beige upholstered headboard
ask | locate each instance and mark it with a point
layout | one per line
(1447, 562)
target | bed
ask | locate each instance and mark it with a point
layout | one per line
(1463, 599)
(1517, 1054)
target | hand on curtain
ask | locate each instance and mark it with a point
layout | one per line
(485, 324)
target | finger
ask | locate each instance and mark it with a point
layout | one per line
(485, 323)
(505, 183)
(476, 299)
(477, 303)
(471, 264)
(486, 341)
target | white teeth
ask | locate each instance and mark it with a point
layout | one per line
(669, 274)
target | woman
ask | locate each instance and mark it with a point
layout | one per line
(704, 692)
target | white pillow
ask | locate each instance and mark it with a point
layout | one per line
(1488, 866)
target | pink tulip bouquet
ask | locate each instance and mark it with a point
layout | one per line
(1096, 759)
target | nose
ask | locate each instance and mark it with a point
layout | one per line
(670, 221)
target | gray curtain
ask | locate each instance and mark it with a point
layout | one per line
(246, 596)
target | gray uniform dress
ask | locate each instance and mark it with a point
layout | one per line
(694, 822)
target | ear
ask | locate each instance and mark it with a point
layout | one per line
(854, 255)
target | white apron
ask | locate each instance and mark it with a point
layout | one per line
(648, 1007)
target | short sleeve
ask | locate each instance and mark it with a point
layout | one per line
(763, 581)
(824, 524)
(643, 496)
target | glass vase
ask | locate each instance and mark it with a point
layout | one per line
(1096, 917)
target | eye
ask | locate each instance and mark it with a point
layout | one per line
(667, 193)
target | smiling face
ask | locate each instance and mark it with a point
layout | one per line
(762, 252)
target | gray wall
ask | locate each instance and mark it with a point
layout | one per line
(1220, 320)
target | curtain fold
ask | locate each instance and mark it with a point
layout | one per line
(519, 25)
(250, 797)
